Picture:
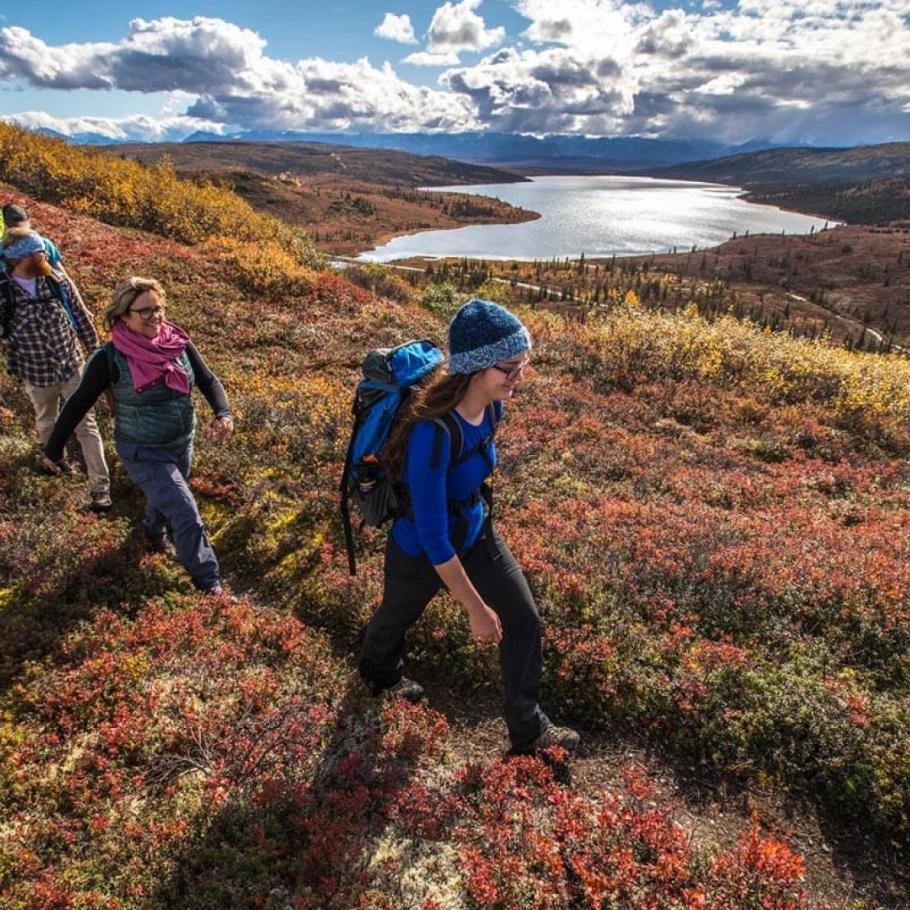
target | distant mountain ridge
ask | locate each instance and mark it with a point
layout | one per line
(555, 153)
(799, 165)
(308, 159)
(866, 184)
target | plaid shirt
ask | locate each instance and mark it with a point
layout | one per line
(42, 347)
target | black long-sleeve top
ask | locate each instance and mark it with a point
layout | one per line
(98, 377)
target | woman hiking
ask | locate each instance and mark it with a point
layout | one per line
(446, 537)
(150, 367)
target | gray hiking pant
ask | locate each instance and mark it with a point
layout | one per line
(162, 474)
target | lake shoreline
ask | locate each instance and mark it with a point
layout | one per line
(597, 218)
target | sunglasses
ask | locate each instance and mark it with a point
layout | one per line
(512, 371)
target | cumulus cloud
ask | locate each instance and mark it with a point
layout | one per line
(424, 58)
(820, 71)
(669, 35)
(552, 90)
(138, 128)
(825, 71)
(68, 66)
(456, 27)
(225, 70)
(396, 28)
(326, 95)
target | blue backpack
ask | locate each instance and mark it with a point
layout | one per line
(389, 376)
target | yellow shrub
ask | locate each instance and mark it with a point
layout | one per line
(866, 393)
(127, 193)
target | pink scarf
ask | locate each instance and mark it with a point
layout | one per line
(151, 359)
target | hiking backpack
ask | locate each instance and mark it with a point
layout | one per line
(389, 377)
(8, 300)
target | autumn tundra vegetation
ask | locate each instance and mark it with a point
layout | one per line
(715, 521)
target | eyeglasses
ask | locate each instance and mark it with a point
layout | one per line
(147, 313)
(512, 371)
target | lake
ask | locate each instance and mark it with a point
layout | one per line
(601, 216)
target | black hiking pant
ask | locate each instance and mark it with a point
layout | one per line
(410, 584)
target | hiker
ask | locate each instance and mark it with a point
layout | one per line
(150, 366)
(16, 216)
(44, 322)
(445, 536)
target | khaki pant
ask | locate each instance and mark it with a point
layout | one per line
(47, 401)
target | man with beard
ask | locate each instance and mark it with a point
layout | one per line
(16, 216)
(44, 320)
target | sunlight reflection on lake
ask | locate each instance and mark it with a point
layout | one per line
(602, 216)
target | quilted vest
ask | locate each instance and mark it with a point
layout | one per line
(157, 417)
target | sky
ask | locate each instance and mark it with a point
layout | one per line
(817, 72)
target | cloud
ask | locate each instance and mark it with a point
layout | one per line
(552, 90)
(824, 71)
(230, 79)
(424, 58)
(396, 28)
(670, 35)
(68, 66)
(138, 128)
(162, 55)
(455, 27)
(326, 95)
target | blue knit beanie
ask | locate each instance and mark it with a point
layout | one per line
(483, 333)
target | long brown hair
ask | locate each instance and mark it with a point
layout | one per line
(439, 396)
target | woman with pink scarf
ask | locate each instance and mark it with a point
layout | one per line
(150, 367)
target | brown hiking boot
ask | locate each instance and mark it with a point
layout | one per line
(551, 735)
(407, 689)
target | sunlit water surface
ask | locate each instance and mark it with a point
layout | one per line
(601, 216)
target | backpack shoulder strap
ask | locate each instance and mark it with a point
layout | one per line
(7, 302)
(57, 287)
(481, 446)
(449, 425)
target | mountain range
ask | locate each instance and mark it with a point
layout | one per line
(865, 184)
(555, 153)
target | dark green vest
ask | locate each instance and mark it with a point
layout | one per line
(155, 418)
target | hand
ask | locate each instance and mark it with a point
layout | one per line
(485, 625)
(222, 427)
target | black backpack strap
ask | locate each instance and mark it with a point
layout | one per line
(344, 489)
(449, 425)
(7, 303)
(481, 446)
(58, 291)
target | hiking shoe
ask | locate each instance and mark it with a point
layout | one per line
(551, 735)
(407, 689)
(218, 591)
(100, 502)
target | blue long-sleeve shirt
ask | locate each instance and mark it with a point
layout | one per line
(431, 529)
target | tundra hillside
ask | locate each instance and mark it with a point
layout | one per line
(349, 199)
(866, 184)
(849, 284)
(714, 520)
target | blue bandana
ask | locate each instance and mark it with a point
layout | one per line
(24, 247)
